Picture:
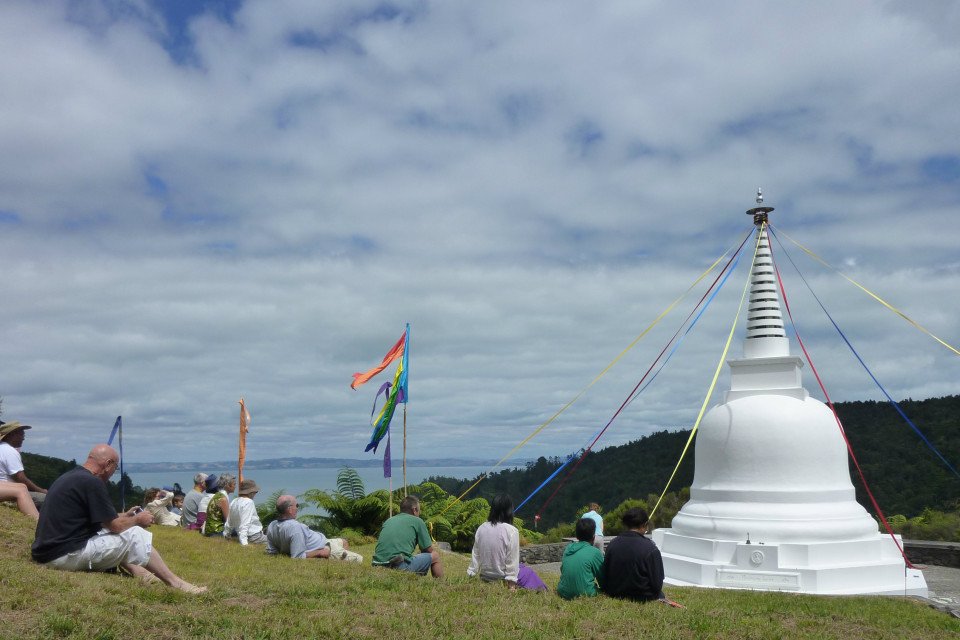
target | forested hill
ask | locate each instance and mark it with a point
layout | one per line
(44, 470)
(903, 474)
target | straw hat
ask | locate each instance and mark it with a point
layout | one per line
(6, 428)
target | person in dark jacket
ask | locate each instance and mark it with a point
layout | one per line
(632, 566)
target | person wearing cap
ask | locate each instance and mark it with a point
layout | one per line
(286, 536)
(11, 464)
(218, 508)
(79, 529)
(243, 520)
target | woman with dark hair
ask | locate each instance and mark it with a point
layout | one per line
(496, 550)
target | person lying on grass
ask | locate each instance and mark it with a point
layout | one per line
(288, 537)
(79, 530)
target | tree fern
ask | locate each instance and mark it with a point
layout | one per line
(350, 484)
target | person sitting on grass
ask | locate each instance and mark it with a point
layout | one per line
(156, 502)
(581, 570)
(12, 435)
(288, 537)
(79, 530)
(176, 505)
(218, 509)
(16, 492)
(243, 521)
(191, 503)
(400, 535)
(496, 550)
(632, 566)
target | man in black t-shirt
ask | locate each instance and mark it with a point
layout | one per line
(79, 530)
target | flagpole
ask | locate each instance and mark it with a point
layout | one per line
(123, 501)
(404, 449)
(240, 450)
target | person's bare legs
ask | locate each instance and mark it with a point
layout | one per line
(18, 493)
(157, 567)
(435, 567)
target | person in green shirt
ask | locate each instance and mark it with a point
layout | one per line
(581, 570)
(398, 538)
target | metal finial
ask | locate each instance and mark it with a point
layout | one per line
(759, 212)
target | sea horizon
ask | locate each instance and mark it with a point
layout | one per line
(296, 481)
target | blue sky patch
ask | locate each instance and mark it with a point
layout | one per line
(584, 138)
(326, 43)
(9, 217)
(177, 14)
(943, 169)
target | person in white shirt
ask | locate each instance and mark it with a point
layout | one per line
(496, 550)
(11, 464)
(242, 519)
(157, 501)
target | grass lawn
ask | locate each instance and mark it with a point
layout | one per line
(253, 595)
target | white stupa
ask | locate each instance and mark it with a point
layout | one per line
(772, 506)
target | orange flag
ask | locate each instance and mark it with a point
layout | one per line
(244, 421)
(395, 352)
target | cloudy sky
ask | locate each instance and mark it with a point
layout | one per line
(203, 200)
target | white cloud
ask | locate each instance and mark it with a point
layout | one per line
(527, 185)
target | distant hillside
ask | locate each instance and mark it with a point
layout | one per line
(904, 475)
(298, 463)
(44, 470)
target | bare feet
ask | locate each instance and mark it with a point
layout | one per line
(191, 588)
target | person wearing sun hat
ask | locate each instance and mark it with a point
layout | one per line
(11, 464)
(243, 520)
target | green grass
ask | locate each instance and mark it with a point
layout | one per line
(256, 596)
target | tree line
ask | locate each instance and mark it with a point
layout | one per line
(905, 476)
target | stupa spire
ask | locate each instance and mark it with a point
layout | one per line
(765, 334)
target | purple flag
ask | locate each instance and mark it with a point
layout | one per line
(387, 466)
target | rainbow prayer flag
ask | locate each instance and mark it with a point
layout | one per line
(396, 392)
(395, 352)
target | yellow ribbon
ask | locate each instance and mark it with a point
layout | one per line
(716, 376)
(660, 317)
(867, 291)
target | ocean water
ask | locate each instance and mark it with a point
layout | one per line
(297, 481)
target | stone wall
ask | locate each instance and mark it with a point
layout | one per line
(944, 554)
(542, 553)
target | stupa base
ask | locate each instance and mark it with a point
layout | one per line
(870, 566)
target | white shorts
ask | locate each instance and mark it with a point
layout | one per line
(107, 550)
(337, 552)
